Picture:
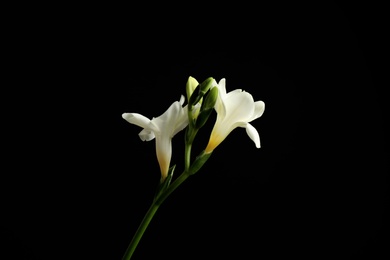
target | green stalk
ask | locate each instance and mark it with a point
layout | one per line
(189, 139)
(187, 157)
(172, 187)
(150, 213)
(140, 231)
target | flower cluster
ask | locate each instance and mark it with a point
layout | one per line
(234, 109)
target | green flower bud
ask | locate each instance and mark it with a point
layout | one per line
(191, 85)
(201, 90)
(194, 99)
(210, 99)
(205, 86)
(207, 107)
(202, 118)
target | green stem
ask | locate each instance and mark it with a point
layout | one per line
(187, 157)
(150, 213)
(172, 187)
(140, 231)
(189, 139)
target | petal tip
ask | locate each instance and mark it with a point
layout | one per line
(125, 115)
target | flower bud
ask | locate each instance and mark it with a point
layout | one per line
(210, 99)
(200, 90)
(207, 107)
(205, 86)
(191, 85)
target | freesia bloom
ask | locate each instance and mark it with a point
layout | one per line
(163, 128)
(234, 109)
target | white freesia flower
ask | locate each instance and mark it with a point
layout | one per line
(234, 109)
(163, 128)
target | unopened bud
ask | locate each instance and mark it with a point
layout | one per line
(210, 99)
(191, 85)
(205, 86)
(207, 107)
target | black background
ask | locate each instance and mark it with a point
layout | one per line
(77, 179)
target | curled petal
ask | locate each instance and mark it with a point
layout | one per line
(136, 119)
(259, 109)
(146, 135)
(253, 134)
(219, 106)
(182, 98)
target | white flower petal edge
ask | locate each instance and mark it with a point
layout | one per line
(163, 128)
(234, 109)
(142, 121)
(253, 134)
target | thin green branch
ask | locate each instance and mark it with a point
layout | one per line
(140, 231)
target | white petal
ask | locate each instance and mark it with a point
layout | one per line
(164, 121)
(136, 119)
(239, 106)
(222, 86)
(164, 154)
(259, 109)
(220, 105)
(253, 134)
(236, 90)
(181, 100)
(173, 120)
(214, 83)
(146, 135)
(181, 121)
